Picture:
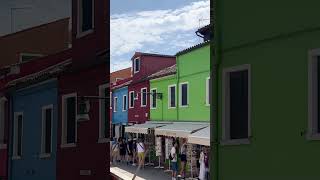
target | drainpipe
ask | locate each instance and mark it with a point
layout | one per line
(177, 88)
(215, 65)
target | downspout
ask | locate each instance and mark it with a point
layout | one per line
(215, 65)
(177, 87)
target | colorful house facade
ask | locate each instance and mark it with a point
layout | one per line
(266, 90)
(120, 107)
(34, 132)
(144, 64)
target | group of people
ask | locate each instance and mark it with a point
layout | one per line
(129, 152)
(182, 155)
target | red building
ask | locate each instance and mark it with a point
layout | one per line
(83, 151)
(143, 65)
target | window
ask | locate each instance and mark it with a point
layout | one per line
(86, 16)
(184, 94)
(143, 97)
(24, 57)
(314, 95)
(18, 134)
(124, 103)
(115, 104)
(110, 103)
(172, 96)
(69, 112)
(3, 102)
(208, 91)
(237, 108)
(104, 91)
(131, 99)
(153, 98)
(136, 65)
(46, 137)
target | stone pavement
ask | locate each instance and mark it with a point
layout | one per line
(148, 173)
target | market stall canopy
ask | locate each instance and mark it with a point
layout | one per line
(177, 129)
(201, 137)
(143, 128)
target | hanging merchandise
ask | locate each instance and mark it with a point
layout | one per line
(192, 159)
(168, 147)
(158, 146)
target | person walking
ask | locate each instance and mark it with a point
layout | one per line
(115, 151)
(134, 151)
(123, 150)
(202, 173)
(183, 159)
(173, 157)
(129, 151)
(141, 151)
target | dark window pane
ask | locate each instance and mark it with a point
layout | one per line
(239, 105)
(19, 134)
(48, 131)
(144, 97)
(86, 15)
(154, 98)
(131, 99)
(71, 120)
(137, 65)
(184, 89)
(125, 102)
(172, 96)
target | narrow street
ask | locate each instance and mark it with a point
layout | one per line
(126, 172)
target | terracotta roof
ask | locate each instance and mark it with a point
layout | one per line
(193, 47)
(45, 74)
(123, 74)
(164, 72)
(122, 83)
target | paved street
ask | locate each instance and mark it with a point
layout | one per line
(146, 173)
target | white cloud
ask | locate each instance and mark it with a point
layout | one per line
(135, 31)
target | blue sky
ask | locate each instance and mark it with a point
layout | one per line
(162, 26)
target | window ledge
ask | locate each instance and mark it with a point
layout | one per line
(3, 146)
(82, 34)
(44, 156)
(235, 142)
(16, 157)
(68, 145)
(184, 106)
(313, 137)
(103, 140)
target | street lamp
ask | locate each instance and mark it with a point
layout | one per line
(12, 11)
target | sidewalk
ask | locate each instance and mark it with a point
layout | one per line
(126, 172)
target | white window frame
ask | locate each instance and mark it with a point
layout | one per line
(15, 136)
(226, 105)
(134, 65)
(102, 114)
(313, 71)
(131, 92)
(64, 144)
(29, 54)
(169, 96)
(115, 104)
(111, 99)
(123, 107)
(141, 100)
(151, 98)
(180, 95)
(207, 91)
(43, 132)
(79, 13)
(3, 112)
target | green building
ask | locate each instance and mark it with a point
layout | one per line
(267, 91)
(184, 87)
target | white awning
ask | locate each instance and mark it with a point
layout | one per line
(201, 137)
(143, 128)
(180, 129)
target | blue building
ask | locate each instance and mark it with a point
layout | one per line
(120, 108)
(34, 132)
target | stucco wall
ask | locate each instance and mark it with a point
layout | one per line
(120, 116)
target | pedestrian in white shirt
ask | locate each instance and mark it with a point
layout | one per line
(140, 150)
(173, 158)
